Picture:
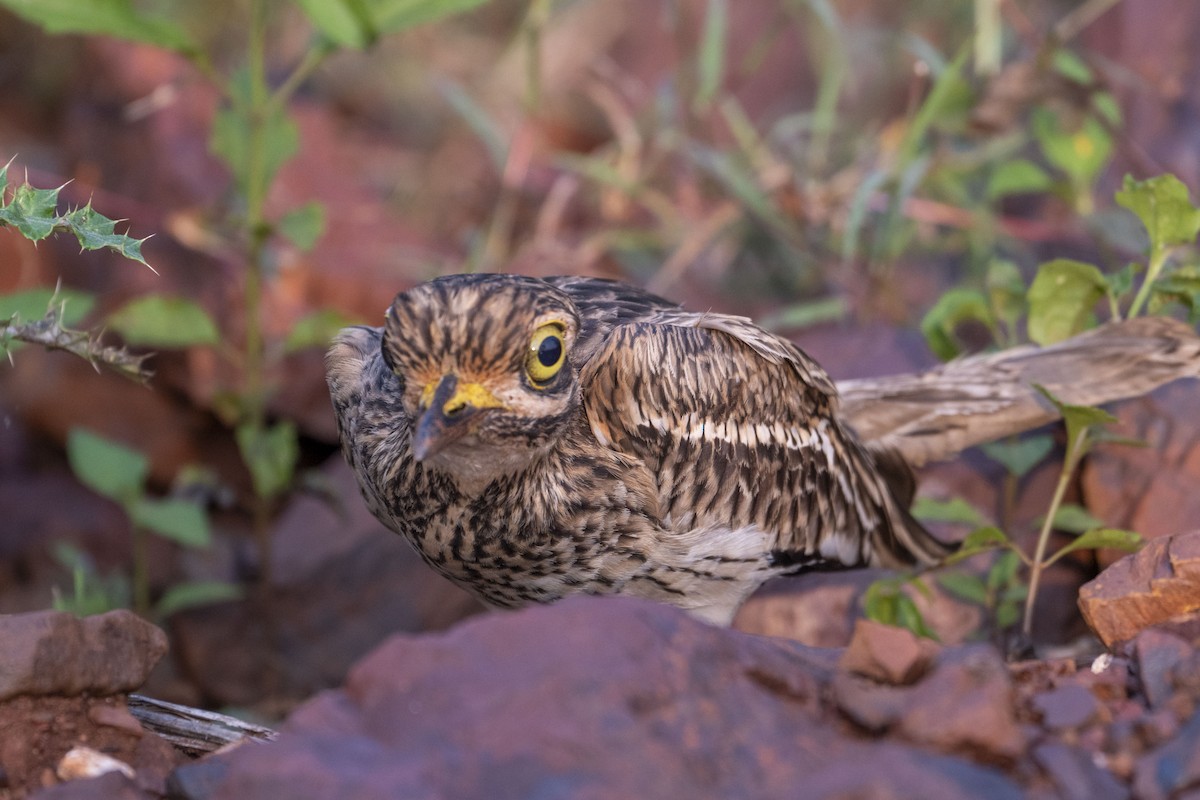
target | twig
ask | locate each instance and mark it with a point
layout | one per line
(50, 333)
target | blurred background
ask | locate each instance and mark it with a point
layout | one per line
(833, 168)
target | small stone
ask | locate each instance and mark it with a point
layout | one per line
(52, 652)
(1158, 653)
(887, 653)
(1171, 770)
(1158, 584)
(116, 717)
(1076, 774)
(966, 703)
(1070, 706)
(84, 762)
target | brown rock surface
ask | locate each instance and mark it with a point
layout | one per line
(38, 732)
(591, 698)
(343, 584)
(52, 652)
(1158, 584)
(887, 653)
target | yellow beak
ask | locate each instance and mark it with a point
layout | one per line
(450, 411)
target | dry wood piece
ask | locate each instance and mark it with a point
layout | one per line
(194, 730)
(936, 414)
(1158, 584)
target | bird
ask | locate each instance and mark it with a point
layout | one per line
(537, 438)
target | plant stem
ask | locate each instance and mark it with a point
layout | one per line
(1038, 565)
(141, 572)
(256, 231)
(1158, 259)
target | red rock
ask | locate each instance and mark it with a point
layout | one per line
(52, 652)
(887, 653)
(116, 717)
(588, 698)
(965, 705)
(343, 584)
(1172, 770)
(1158, 653)
(1151, 489)
(1069, 706)
(1075, 774)
(1158, 584)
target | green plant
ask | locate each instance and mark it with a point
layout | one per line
(253, 135)
(1060, 302)
(44, 317)
(119, 473)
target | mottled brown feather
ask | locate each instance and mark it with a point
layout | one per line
(598, 481)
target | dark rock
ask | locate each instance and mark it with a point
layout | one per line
(1149, 489)
(872, 706)
(1075, 774)
(1172, 770)
(1070, 706)
(1158, 584)
(110, 786)
(821, 609)
(595, 698)
(1158, 654)
(52, 652)
(887, 653)
(343, 584)
(966, 705)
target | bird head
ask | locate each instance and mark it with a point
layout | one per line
(485, 362)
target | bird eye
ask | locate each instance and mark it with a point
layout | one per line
(546, 353)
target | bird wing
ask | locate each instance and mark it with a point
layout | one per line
(740, 428)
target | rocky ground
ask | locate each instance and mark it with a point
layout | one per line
(381, 677)
(599, 697)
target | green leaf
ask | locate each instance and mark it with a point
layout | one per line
(181, 521)
(1062, 299)
(396, 15)
(481, 122)
(95, 231)
(195, 593)
(710, 66)
(955, 509)
(1004, 573)
(1075, 518)
(980, 540)
(1098, 538)
(106, 467)
(1019, 456)
(952, 309)
(32, 211)
(1080, 151)
(965, 586)
(32, 304)
(1007, 614)
(231, 136)
(1071, 66)
(1018, 176)
(316, 330)
(909, 616)
(157, 320)
(103, 17)
(345, 22)
(303, 226)
(1006, 292)
(1077, 417)
(803, 315)
(1163, 206)
(271, 455)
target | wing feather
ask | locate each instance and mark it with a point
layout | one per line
(739, 426)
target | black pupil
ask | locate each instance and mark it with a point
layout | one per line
(549, 351)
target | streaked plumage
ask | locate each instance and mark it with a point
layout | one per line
(682, 457)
